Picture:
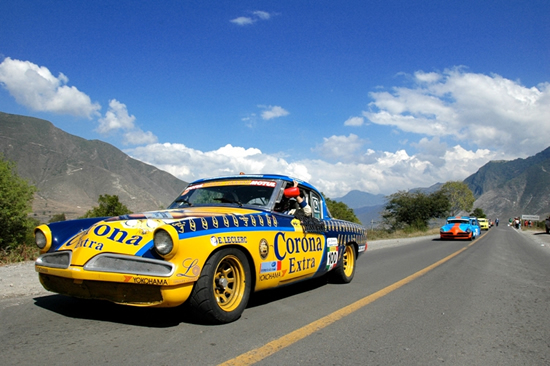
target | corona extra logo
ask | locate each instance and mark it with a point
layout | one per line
(118, 235)
(284, 245)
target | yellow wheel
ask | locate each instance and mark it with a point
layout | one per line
(222, 291)
(229, 283)
(345, 270)
(348, 261)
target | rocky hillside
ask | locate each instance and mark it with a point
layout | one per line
(513, 188)
(71, 172)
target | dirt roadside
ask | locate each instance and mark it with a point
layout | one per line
(21, 279)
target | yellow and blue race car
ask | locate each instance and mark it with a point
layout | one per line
(221, 239)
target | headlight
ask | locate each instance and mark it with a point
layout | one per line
(40, 239)
(43, 238)
(166, 241)
(163, 242)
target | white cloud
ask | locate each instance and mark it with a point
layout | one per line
(385, 172)
(354, 121)
(243, 21)
(36, 88)
(463, 121)
(139, 137)
(487, 111)
(264, 15)
(256, 16)
(271, 112)
(117, 118)
(340, 147)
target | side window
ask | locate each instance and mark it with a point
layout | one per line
(316, 206)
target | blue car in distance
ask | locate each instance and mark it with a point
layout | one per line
(460, 227)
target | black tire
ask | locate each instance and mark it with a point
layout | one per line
(346, 268)
(223, 289)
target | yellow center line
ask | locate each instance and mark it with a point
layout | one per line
(276, 345)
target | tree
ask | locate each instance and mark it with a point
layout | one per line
(341, 211)
(109, 205)
(16, 196)
(478, 212)
(460, 196)
(414, 209)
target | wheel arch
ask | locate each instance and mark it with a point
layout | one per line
(248, 256)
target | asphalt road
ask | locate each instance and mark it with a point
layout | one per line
(428, 302)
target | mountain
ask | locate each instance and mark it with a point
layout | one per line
(71, 172)
(518, 187)
(357, 199)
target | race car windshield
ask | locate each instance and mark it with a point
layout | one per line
(457, 221)
(236, 192)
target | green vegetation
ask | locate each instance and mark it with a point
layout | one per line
(460, 197)
(16, 196)
(109, 205)
(412, 211)
(341, 211)
(478, 212)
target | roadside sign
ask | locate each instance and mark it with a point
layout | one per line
(530, 217)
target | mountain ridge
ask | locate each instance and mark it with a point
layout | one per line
(71, 172)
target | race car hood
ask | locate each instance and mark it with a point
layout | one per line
(456, 228)
(133, 234)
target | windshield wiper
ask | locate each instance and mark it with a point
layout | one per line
(228, 200)
(184, 200)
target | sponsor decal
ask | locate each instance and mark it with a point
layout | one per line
(332, 242)
(231, 239)
(213, 240)
(273, 266)
(264, 248)
(146, 280)
(88, 244)
(362, 248)
(270, 276)
(190, 267)
(284, 245)
(295, 246)
(263, 183)
(332, 258)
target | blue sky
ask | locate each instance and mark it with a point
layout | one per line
(377, 96)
